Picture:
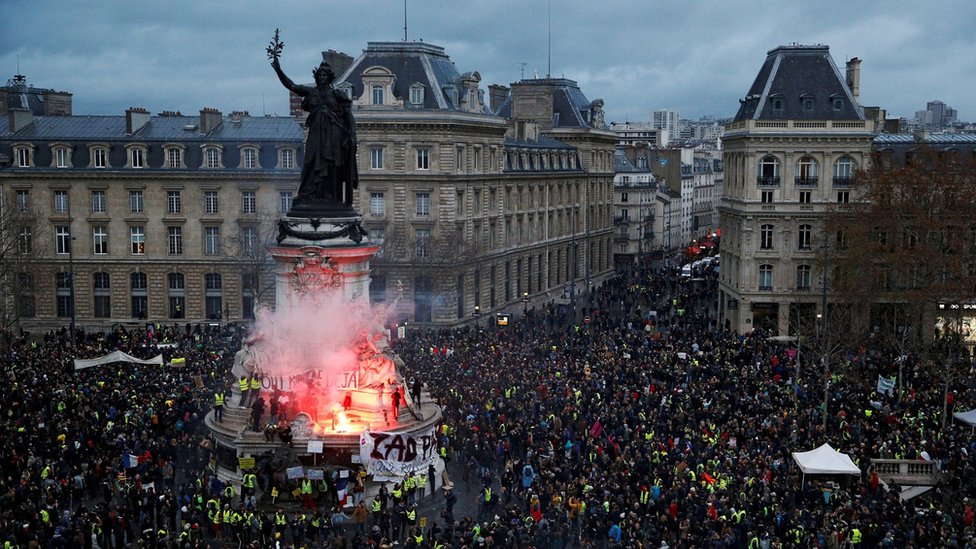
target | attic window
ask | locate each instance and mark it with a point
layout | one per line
(378, 95)
(838, 103)
(416, 94)
(807, 103)
(777, 104)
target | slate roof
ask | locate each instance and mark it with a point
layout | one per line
(570, 107)
(791, 73)
(411, 63)
(542, 143)
(159, 128)
(931, 139)
(21, 95)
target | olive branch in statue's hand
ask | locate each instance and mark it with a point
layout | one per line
(275, 47)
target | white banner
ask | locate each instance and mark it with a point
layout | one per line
(887, 385)
(116, 356)
(396, 454)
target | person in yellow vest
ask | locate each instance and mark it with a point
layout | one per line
(306, 492)
(255, 386)
(410, 486)
(412, 515)
(856, 536)
(376, 510)
(397, 493)
(248, 483)
(421, 485)
(244, 385)
(280, 522)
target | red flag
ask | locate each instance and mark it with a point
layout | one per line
(596, 430)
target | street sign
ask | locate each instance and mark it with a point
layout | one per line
(586, 320)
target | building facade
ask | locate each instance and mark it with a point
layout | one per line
(635, 214)
(798, 137)
(126, 218)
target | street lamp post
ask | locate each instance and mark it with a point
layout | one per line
(71, 281)
(477, 316)
(525, 303)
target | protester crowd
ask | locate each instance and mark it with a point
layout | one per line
(668, 431)
(649, 426)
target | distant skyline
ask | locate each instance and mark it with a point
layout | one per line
(698, 58)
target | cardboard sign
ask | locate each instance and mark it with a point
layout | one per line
(246, 463)
(295, 472)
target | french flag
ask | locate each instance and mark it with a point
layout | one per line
(130, 461)
(341, 485)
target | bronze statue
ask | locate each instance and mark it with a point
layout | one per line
(329, 172)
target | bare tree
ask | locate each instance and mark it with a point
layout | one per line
(247, 250)
(22, 238)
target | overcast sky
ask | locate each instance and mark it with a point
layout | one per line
(696, 57)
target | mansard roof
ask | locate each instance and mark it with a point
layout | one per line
(788, 76)
(570, 107)
(411, 63)
(177, 128)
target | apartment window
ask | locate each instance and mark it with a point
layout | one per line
(423, 159)
(805, 197)
(288, 158)
(807, 171)
(174, 157)
(250, 160)
(377, 97)
(98, 201)
(477, 159)
(766, 237)
(25, 241)
(284, 202)
(423, 243)
(214, 295)
(803, 277)
(249, 202)
(61, 204)
(99, 157)
(376, 158)
(23, 201)
(137, 240)
(99, 240)
(211, 240)
(249, 291)
(769, 170)
(766, 197)
(843, 197)
(804, 237)
(177, 295)
(62, 239)
(459, 158)
(249, 240)
(175, 239)
(843, 170)
(64, 283)
(423, 204)
(213, 157)
(62, 157)
(377, 236)
(841, 240)
(416, 95)
(26, 303)
(139, 295)
(137, 158)
(211, 202)
(23, 157)
(623, 197)
(102, 293)
(136, 204)
(174, 202)
(765, 278)
(377, 204)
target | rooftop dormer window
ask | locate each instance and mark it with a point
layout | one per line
(807, 102)
(378, 88)
(837, 103)
(416, 95)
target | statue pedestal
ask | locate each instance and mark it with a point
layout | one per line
(316, 256)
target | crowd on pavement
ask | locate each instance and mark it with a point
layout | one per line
(650, 426)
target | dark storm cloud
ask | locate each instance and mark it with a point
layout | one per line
(639, 55)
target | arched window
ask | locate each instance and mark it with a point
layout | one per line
(768, 171)
(843, 171)
(807, 172)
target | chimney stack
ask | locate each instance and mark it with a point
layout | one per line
(19, 118)
(210, 118)
(57, 103)
(496, 96)
(854, 79)
(135, 119)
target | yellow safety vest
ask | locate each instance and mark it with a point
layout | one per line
(306, 486)
(487, 495)
(280, 519)
(244, 385)
(411, 515)
(377, 505)
(421, 481)
(255, 384)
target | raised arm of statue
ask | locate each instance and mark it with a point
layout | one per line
(287, 82)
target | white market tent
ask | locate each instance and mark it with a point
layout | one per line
(825, 461)
(969, 418)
